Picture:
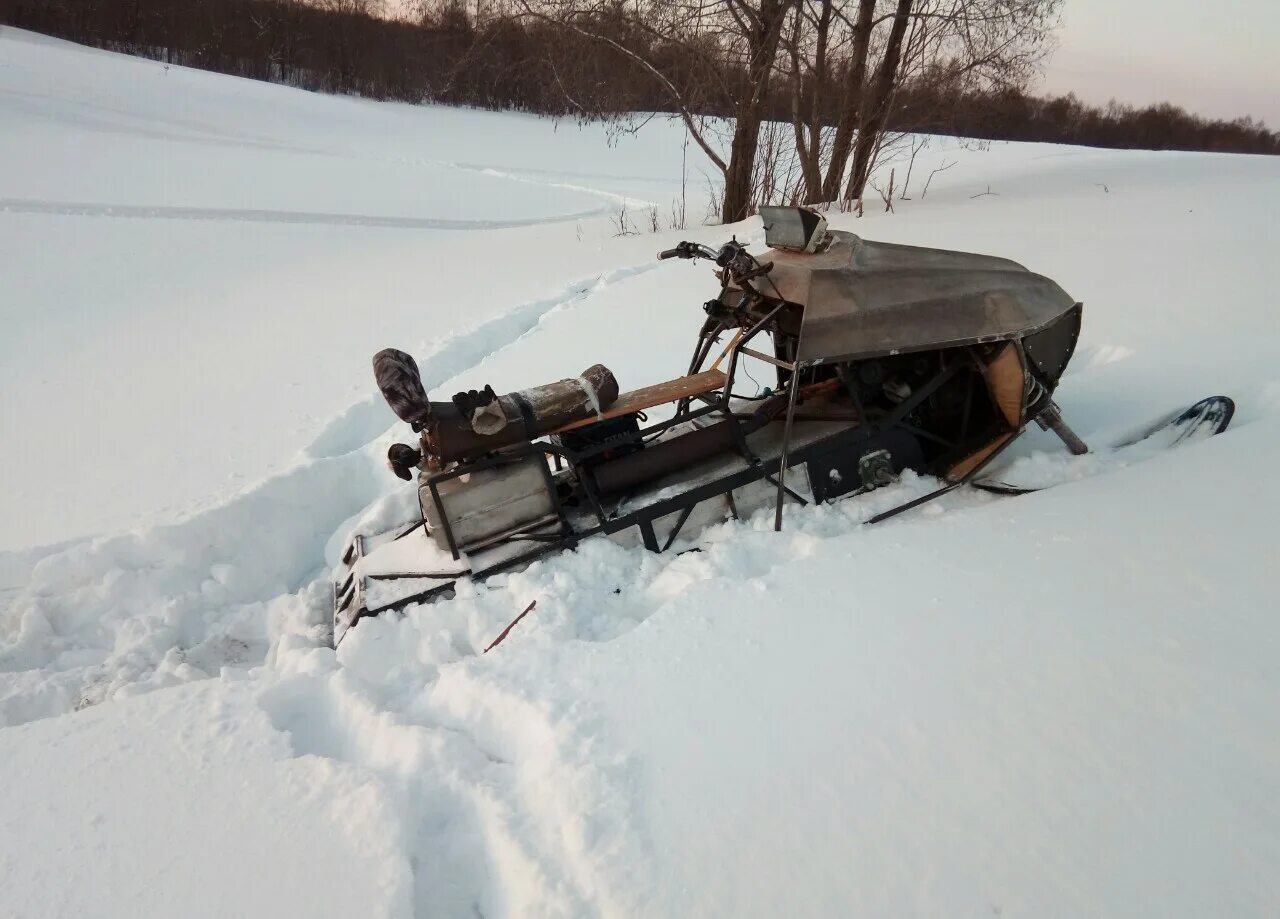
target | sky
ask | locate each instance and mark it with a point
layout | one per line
(1219, 58)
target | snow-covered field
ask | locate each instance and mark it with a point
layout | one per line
(1062, 704)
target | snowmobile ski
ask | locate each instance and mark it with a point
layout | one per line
(1199, 421)
(1204, 419)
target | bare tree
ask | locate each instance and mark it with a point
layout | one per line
(347, 16)
(851, 99)
(729, 45)
(941, 168)
(761, 27)
(873, 112)
(808, 46)
(886, 194)
(962, 70)
(917, 144)
(848, 59)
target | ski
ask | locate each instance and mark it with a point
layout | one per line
(1199, 421)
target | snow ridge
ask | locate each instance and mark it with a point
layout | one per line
(140, 212)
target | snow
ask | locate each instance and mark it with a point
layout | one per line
(240, 251)
(951, 747)
(1062, 703)
(194, 756)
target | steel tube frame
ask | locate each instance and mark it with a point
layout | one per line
(786, 449)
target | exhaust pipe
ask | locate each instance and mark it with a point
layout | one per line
(481, 421)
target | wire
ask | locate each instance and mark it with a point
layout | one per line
(759, 388)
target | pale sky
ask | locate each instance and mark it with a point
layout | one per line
(1219, 58)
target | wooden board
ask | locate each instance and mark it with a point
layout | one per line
(971, 462)
(658, 394)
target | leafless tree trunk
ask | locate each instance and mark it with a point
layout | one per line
(763, 28)
(807, 122)
(851, 100)
(875, 110)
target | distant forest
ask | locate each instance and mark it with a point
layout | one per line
(449, 56)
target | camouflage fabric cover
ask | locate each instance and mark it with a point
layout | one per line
(401, 384)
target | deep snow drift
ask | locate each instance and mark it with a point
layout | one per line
(1062, 703)
(197, 268)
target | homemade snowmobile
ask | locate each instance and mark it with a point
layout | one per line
(887, 357)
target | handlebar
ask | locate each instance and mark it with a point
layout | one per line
(689, 250)
(733, 257)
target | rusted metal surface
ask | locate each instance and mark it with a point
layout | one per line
(657, 460)
(450, 435)
(507, 631)
(586, 396)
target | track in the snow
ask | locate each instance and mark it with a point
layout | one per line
(157, 212)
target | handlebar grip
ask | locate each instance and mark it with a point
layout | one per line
(670, 253)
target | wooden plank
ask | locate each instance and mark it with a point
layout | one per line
(961, 469)
(637, 400)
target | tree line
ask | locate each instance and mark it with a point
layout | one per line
(791, 100)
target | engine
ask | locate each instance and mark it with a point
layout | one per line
(515, 492)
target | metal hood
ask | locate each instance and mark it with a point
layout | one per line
(863, 298)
